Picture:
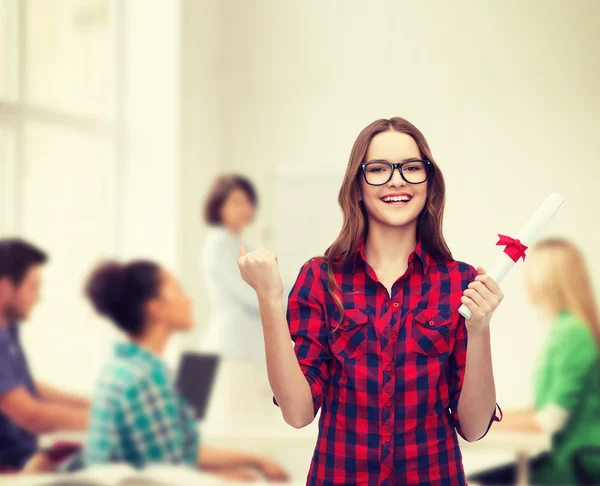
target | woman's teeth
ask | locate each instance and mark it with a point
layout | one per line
(396, 199)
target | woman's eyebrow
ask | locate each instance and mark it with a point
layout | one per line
(410, 159)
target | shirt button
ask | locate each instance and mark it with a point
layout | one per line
(389, 368)
(396, 304)
(389, 403)
(388, 439)
(394, 335)
(431, 323)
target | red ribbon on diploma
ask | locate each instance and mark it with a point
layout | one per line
(514, 248)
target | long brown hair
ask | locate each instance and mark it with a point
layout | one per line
(355, 225)
(565, 282)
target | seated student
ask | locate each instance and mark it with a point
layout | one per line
(137, 416)
(567, 380)
(27, 407)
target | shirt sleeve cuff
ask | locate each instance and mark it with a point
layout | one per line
(552, 418)
(10, 386)
(316, 391)
(496, 417)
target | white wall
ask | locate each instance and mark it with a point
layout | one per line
(506, 93)
(151, 179)
(202, 141)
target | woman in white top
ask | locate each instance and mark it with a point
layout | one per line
(234, 329)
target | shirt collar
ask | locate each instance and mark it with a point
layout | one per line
(419, 251)
(12, 329)
(133, 350)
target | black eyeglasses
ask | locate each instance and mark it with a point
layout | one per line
(380, 172)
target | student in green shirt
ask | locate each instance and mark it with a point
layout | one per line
(137, 415)
(567, 377)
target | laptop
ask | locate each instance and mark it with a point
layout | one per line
(195, 380)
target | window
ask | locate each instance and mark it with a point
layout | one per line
(8, 50)
(60, 150)
(7, 178)
(69, 56)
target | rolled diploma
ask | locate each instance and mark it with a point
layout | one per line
(528, 234)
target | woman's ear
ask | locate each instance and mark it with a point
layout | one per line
(154, 310)
(5, 287)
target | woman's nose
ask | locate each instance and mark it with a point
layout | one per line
(397, 179)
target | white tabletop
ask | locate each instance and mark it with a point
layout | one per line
(260, 430)
(270, 429)
(529, 443)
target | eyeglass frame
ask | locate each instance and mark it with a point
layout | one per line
(428, 167)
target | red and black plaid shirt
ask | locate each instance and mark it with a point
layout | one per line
(389, 378)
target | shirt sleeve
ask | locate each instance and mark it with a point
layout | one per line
(571, 362)
(9, 380)
(457, 364)
(306, 320)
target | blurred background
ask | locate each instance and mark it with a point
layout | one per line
(116, 117)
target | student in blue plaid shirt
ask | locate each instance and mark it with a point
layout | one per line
(137, 416)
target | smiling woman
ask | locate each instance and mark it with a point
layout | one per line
(379, 343)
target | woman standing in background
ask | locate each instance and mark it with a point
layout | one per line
(234, 329)
(567, 380)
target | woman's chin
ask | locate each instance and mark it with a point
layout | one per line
(396, 217)
(398, 221)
